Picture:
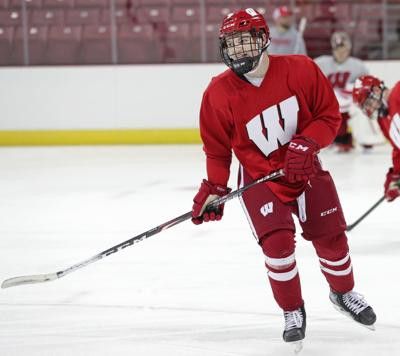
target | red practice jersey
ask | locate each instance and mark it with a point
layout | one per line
(390, 125)
(257, 123)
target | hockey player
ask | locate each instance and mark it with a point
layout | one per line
(285, 39)
(342, 70)
(277, 112)
(382, 104)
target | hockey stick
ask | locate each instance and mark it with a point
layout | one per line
(300, 32)
(40, 278)
(362, 217)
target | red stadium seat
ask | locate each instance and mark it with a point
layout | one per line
(153, 14)
(82, 17)
(96, 45)
(212, 41)
(36, 45)
(63, 45)
(230, 3)
(4, 4)
(185, 14)
(217, 13)
(10, 18)
(92, 4)
(31, 4)
(128, 4)
(154, 2)
(46, 17)
(121, 16)
(63, 4)
(6, 37)
(178, 45)
(185, 2)
(136, 44)
(255, 4)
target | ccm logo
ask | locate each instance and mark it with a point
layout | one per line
(298, 147)
(330, 211)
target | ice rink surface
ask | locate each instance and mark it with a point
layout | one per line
(190, 290)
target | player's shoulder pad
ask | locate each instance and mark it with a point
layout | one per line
(356, 60)
(297, 60)
(218, 88)
(322, 58)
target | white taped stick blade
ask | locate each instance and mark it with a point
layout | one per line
(32, 279)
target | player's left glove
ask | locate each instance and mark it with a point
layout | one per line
(392, 185)
(300, 162)
(207, 193)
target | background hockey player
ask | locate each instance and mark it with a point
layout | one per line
(277, 112)
(381, 104)
(342, 70)
(285, 39)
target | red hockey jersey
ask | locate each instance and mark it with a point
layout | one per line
(390, 125)
(257, 123)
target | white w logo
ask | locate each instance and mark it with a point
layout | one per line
(267, 208)
(277, 123)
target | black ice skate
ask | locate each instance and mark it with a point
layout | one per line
(295, 327)
(355, 307)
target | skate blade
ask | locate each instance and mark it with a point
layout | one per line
(297, 346)
(340, 310)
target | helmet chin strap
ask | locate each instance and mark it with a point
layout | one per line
(258, 65)
(248, 64)
(244, 65)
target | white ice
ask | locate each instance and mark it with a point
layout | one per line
(188, 291)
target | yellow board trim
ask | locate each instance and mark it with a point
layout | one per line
(98, 137)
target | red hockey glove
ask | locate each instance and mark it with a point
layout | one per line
(392, 185)
(206, 194)
(299, 162)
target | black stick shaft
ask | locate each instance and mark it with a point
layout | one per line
(166, 225)
(41, 278)
(362, 217)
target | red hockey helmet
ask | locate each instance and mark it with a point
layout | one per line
(244, 35)
(282, 11)
(367, 94)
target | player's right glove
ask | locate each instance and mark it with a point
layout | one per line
(300, 163)
(207, 193)
(392, 185)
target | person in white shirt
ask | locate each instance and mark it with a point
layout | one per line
(285, 39)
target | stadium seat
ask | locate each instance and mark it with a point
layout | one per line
(256, 4)
(178, 45)
(63, 4)
(10, 18)
(307, 11)
(231, 3)
(136, 44)
(82, 17)
(63, 45)
(185, 14)
(127, 4)
(31, 4)
(6, 38)
(98, 4)
(185, 2)
(153, 14)
(212, 41)
(154, 3)
(121, 16)
(217, 13)
(96, 45)
(343, 11)
(4, 4)
(46, 17)
(36, 45)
